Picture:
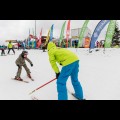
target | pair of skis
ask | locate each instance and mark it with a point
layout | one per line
(35, 98)
(23, 80)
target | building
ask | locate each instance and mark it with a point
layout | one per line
(75, 36)
(13, 41)
(73, 41)
(63, 43)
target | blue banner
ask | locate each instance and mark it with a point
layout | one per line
(51, 32)
(97, 32)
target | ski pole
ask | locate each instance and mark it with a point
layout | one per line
(42, 86)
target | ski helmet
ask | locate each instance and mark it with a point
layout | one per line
(25, 53)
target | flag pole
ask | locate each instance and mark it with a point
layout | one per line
(35, 28)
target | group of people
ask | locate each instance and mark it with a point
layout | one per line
(10, 47)
(100, 44)
(19, 62)
(70, 67)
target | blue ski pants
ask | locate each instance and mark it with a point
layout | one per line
(69, 70)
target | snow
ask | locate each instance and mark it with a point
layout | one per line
(99, 76)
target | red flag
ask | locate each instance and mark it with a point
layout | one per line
(31, 36)
(36, 38)
(39, 42)
(67, 33)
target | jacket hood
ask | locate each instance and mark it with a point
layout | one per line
(51, 45)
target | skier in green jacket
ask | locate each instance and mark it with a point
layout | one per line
(10, 47)
(70, 63)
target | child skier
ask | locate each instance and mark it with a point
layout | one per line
(70, 63)
(21, 62)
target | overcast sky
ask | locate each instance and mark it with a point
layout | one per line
(19, 29)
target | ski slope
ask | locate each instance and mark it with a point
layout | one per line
(99, 76)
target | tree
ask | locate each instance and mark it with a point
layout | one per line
(116, 36)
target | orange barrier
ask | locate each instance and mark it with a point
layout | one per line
(87, 42)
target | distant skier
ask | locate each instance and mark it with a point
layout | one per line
(97, 44)
(70, 63)
(2, 50)
(10, 47)
(21, 62)
(75, 44)
(23, 45)
(18, 45)
(44, 47)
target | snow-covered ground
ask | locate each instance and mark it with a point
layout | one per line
(99, 75)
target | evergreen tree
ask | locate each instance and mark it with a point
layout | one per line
(116, 36)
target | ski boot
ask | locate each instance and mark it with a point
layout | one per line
(77, 97)
(29, 76)
(18, 78)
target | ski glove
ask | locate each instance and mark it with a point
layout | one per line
(31, 65)
(57, 75)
